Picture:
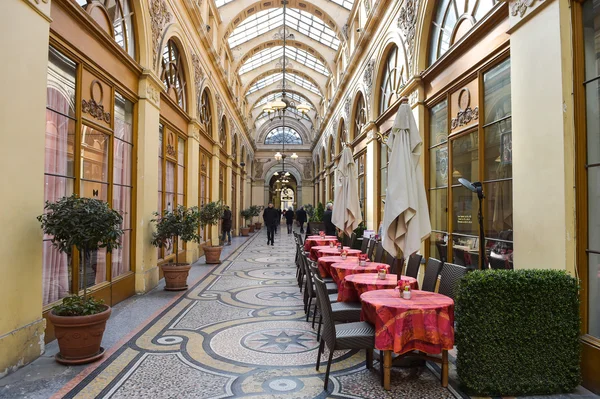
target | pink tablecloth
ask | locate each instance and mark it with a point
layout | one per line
(353, 286)
(314, 251)
(345, 268)
(313, 242)
(335, 252)
(425, 322)
(325, 263)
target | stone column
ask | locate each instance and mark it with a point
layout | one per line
(23, 121)
(191, 176)
(371, 170)
(216, 153)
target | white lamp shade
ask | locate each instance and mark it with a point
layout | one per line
(278, 104)
(268, 107)
(294, 156)
(303, 108)
(278, 156)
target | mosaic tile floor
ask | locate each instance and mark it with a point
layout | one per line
(240, 332)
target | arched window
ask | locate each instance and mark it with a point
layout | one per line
(282, 134)
(223, 132)
(392, 79)
(172, 74)
(360, 116)
(331, 149)
(205, 112)
(234, 148)
(453, 19)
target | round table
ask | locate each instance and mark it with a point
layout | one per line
(345, 268)
(314, 237)
(424, 323)
(314, 251)
(325, 263)
(318, 241)
(353, 286)
(335, 252)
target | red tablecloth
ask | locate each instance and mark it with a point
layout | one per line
(335, 252)
(314, 251)
(325, 263)
(345, 268)
(425, 322)
(313, 242)
(319, 237)
(353, 286)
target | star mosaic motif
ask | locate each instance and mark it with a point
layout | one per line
(281, 273)
(282, 295)
(283, 340)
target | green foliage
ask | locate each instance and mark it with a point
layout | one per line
(256, 209)
(172, 226)
(360, 229)
(310, 211)
(211, 213)
(86, 224)
(247, 214)
(83, 223)
(76, 305)
(518, 332)
(318, 213)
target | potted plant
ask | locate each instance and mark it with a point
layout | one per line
(209, 215)
(247, 215)
(171, 227)
(256, 209)
(86, 225)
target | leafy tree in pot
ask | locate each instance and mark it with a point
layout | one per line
(255, 209)
(247, 214)
(85, 224)
(172, 226)
(210, 214)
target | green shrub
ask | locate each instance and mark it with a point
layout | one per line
(318, 213)
(518, 332)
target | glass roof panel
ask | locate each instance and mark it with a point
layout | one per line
(273, 53)
(220, 3)
(264, 82)
(294, 111)
(290, 78)
(283, 134)
(300, 81)
(344, 3)
(267, 20)
(295, 97)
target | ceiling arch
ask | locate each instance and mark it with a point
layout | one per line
(304, 132)
(278, 91)
(288, 72)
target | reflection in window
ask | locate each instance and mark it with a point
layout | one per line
(274, 53)
(392, 80)
(453, 19)
(282, 135)
(360, 115)
(172, 74)
(267, 20)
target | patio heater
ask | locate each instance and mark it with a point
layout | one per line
(477, 188)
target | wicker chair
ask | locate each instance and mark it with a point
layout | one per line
(393, 262)
(442, 251)
(432, 271)
(450, 277)
(300, 275)
(371, 248)
(379, 253)
(413, 265)
(357, 335)
(365, 245)
(309, 290)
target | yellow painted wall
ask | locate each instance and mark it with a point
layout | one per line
(22, 126)
(543, 204)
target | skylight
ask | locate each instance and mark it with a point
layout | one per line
(290, 109)
(267, 20)
(274, 53)
(344, 3)
(290, 78)
(295, 97)
(283, 134)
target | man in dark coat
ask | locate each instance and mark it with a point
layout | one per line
(329, 226)
(226, 225)
(289, 219)
(301, 218)
(271, 217)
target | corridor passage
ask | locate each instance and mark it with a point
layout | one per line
(240, 332)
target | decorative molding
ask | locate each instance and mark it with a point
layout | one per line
(198, 72)
(334, 129)
(413, 97)
(465, 114)
(159, 18)
(368, 79)
(41, 7)
(93, 107)
(219, 107)
(367, 5)
(407, 23)
(347, 106)
(345, 31)
(519, 7)
(171, 144)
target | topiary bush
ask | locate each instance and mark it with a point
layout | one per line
(518, 332)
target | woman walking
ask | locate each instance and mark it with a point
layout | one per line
(289, 219)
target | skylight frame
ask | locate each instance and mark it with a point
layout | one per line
(273, 53)
(295, 97)
(290, 78)
(288, 134)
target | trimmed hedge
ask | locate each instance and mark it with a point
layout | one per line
(518, 332)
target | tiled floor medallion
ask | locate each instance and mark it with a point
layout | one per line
(271, 296)
(278, 274)
(281, 341)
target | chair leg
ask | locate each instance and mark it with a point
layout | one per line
(319, 329)
(328, 368)
(321, 345)
(307, 310)
(314, 315)
(369, 358)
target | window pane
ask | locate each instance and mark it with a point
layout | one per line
(592, 98)
(61, 83)
(465, 250)
(56, 274)
(60, 140)
(464, 211)
(123, 118)
(438, 123)
(500, 253)
(498, 215)
(438, 158)
(498, 151)
(593, 208)
(465, 158)
(438, 209)
(121, 256)
(594, 294)
(57, 187)
(496, 85)
(94, 151)
(438, 245)
(122, 163)
(94, 271)
(591, 27)
(122, 204)
(90, 189)
(180, 184)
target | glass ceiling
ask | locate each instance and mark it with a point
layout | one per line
(297, 98)
(283, 134)
(290, 78)
(344, 3)
(274, 53)
(266, 20)
(290, 109)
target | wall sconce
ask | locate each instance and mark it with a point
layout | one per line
(208, 28)
(242, 164)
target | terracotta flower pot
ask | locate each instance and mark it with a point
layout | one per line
(176, 276)
(245, 231)
(251, 228)
(257, 225)
(212, 254)
(79, 337)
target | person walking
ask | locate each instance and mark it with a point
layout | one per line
(289, 219)
(271, 219)
(301, 218)
(329, 226)
(226, 225)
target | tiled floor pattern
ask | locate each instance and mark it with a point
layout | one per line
(240, 332)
